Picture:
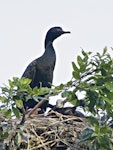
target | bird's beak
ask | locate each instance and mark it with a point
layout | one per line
(64, 32)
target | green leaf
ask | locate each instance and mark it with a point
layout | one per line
(75, 67)
(4, 110)
(65, 94)
(4, 99)
(43, 90)
(16, 112)
(5, 89)
(107, 100)
(76, 75)
(80, 61)
(72, 98)
(110, 95)
(25, 81)
(96, 128)
(18, 139)
(103, 72)
(92, 120)
(15, 80)
(8, 114)
(61, 86)
(69, 83)
(87, 134)
(11, 83)
(35, 90)
(83, 68)
(105, 130)
(19, 103)
(109, 86)
(104, 51)
(36, 98)
(84, 53)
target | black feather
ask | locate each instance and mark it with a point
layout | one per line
(41, 70)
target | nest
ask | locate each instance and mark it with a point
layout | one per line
(52, 132)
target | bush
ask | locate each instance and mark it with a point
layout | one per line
(93, 76)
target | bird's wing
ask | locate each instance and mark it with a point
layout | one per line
(30, 71)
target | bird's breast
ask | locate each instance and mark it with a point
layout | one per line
(44, 77)
(47, 62)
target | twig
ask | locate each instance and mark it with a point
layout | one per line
(23, 116)
(47, 143)
(35, 108)
(57, 114)
(43, 145)
(28, 140)
(69, 119)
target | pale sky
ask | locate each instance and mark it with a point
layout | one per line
(24, 23)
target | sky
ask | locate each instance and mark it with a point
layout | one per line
(24, 23)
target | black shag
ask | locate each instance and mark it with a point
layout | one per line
(40, 71)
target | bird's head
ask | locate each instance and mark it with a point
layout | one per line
(54, 32)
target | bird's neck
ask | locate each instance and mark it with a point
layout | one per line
(48, 43)
(49, 51)
(48, 40)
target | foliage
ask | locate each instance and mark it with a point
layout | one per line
(11, 100)
(93, 76)
(19, 90)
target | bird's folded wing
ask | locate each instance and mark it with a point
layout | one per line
(30, 71)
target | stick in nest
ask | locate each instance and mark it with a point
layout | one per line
(35, 108)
